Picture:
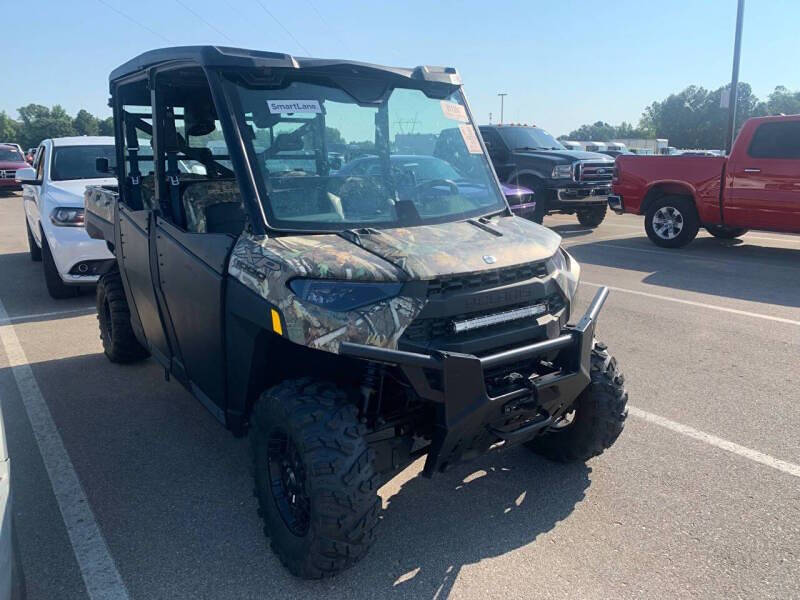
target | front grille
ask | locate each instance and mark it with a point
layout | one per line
(589, 172)
(485, 279)
(441, 328)
(8, 174)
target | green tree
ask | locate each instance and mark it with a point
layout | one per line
(106, 126)
(85, 123)
(782, 102)
(39, 122)
(9, 128)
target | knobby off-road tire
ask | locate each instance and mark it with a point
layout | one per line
(678, 210)
(33, 249)
(55, 285)
(310, 426)
(592, 217)
(726, 233)
(114, 316)
(600, 413)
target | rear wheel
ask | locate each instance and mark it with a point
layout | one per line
(726, 233)
(119, 342)
(52, 279)
(592, 217)
(597, 416)
(315, 481)
(671, 221)
(33, 248)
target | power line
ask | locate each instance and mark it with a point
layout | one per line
(289, 33)
(200, 17)
(135, 22)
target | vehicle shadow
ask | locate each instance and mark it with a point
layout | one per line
(171, 488)
(571, 230)
(23, 291)
(728, 268)
(431, 528)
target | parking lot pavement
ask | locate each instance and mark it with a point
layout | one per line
(700, 497)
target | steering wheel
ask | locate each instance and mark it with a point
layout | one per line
(430, 183)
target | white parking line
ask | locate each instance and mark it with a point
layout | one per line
(97, 567)
(56, 313)
(734, 311)
(712, 440)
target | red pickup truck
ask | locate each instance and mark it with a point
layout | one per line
(756, 187)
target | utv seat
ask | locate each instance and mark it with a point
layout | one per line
(213, 206)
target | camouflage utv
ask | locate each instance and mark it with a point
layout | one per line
(348, 310)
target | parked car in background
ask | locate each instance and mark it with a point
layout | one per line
(571, 145)
(756, 187)
(53, 200)
(563, 181)
(11, 159)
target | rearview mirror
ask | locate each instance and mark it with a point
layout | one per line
(27, 175)
(101, 165)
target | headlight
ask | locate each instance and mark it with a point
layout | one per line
(67, 217)
(558, 262)
(562, 172)
(341, 296)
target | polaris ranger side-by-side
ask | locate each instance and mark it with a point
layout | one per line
(348, 321)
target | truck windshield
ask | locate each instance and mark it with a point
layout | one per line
(78, 162)
(10, 155)
(329, 162)
(529, 137)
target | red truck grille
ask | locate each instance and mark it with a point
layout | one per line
(594, 172)
(8, 174)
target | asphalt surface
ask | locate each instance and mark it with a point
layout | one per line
(700, 497)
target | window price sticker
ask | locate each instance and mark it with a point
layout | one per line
(470, 139)
(454, 111)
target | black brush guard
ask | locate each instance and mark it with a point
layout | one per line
(468, 419)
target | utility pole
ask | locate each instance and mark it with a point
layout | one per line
(737, 48)
(502, 97)
(490, 117)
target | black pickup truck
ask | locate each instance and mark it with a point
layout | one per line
(563, 181)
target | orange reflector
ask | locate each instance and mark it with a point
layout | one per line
(276, 322)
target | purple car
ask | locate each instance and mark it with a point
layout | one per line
(519, 198)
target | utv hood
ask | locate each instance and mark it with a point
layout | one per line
(431, 251)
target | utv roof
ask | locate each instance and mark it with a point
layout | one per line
(222, 56)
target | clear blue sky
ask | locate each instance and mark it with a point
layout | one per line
(563, 63)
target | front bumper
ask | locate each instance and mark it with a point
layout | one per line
(469, 420)
(71, 247)
(615, 203)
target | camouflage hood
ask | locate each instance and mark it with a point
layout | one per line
(430, 251)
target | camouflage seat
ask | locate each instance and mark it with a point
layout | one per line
(199, 195)
(148, 187)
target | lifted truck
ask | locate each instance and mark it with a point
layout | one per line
(346, 323)
(756, 187)
(563, 181)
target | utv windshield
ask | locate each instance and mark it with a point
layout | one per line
(329, 162)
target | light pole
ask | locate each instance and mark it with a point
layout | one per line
(737, 48)
(502, 97)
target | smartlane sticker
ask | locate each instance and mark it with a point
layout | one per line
(277, 107)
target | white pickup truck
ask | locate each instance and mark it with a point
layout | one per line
(53, 198)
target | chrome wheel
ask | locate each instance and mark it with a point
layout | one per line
(667, 222)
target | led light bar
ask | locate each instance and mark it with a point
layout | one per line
(503, 317)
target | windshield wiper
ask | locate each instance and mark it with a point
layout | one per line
(526, 148)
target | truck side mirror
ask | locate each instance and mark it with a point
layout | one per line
(101, 165)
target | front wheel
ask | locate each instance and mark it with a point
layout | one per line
(52, 278)
(671, 221)
(726, 233)
(316, 485)
(597, 416)
(592, 217)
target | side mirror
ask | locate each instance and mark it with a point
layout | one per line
(27, 175)
(101, 165)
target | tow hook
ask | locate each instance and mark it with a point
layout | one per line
(526, 403)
